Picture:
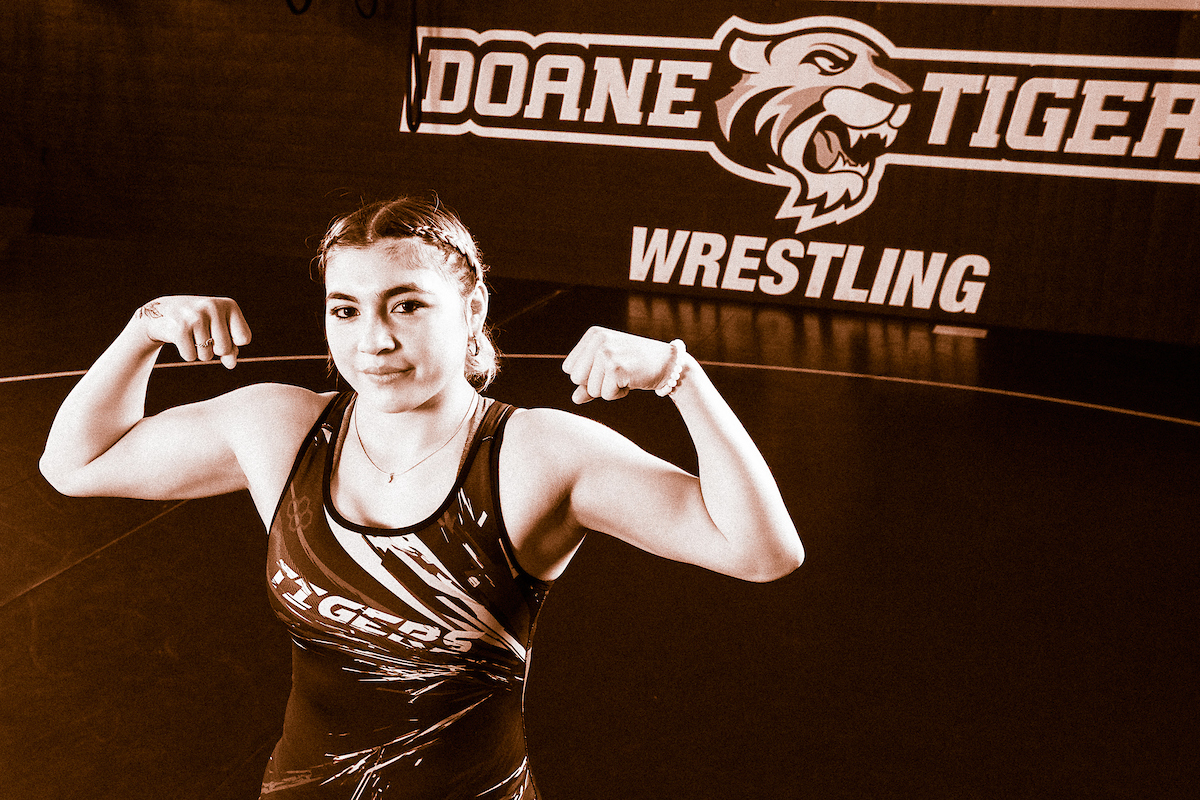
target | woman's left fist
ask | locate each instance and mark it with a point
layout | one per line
(608, 363)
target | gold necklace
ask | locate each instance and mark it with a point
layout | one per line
(391, 475)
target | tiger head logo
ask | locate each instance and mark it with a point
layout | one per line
(811, 109)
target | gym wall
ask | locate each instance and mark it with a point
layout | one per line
(1033, 167)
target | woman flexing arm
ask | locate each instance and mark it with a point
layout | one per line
(730, 519)
(102, 444)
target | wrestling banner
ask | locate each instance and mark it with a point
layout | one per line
(950, 162)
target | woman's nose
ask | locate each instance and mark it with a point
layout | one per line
(376, 336)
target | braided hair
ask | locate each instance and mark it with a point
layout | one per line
(436, 225)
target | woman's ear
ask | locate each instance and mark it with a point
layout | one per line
(477, 307)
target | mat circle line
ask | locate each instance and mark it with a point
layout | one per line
(728, 364)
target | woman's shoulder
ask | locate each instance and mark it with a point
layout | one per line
(278, 401)
(266, 424)
(272, 408)
(281, 395)
(538, 423)
(556, 439)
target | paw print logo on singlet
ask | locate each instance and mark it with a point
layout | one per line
(298, 514)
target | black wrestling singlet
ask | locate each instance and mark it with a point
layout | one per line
(409, 645)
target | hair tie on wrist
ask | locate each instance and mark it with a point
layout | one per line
(674, 369)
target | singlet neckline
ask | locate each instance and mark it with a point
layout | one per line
(464, 469)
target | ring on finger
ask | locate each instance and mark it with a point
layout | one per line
(202, 345)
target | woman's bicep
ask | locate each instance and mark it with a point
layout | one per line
(180, 453)
(625, 492)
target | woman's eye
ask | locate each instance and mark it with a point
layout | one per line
(342, 312)
(407, 306)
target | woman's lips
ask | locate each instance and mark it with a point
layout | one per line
(383, 374)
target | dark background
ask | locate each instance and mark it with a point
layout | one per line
(244, 124)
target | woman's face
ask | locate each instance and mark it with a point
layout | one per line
(397, 324)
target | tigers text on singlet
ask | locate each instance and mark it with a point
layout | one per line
(409, 645)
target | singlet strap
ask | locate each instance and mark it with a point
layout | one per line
(494, 418)
(334, 408)
(331, 417)
(493, 429)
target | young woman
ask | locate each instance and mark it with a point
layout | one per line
(415, 525)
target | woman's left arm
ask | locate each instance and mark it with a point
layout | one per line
(731, 518)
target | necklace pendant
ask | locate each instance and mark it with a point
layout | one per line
(390, 476)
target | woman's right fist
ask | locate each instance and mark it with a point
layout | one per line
(200, 328)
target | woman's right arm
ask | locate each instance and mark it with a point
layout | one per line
(101, 442)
